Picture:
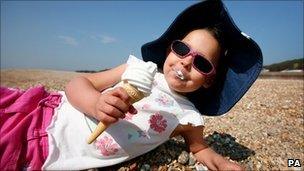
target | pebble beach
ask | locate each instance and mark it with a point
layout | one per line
(261, 132)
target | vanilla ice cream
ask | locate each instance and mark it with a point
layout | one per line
(141, 76)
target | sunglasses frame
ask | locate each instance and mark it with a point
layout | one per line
(194, 54)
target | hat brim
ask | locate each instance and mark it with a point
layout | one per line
(243, 61)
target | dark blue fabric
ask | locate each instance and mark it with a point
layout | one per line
(241, 66)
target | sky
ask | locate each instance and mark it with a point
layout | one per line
(94, 35)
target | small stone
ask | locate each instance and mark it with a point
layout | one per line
(123, 169)
(192, 159)
(145, 167)
(216, 136)
(154, 167)
(259, 166)
(188, 169)
(250, 165)
(133, 167)
(162, 168)
(201, 167)
(183, 157)
(227, 140)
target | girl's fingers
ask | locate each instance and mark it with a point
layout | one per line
(105, 118)
(132, 110)
(113, 111)
(122, 94)
(117, 103)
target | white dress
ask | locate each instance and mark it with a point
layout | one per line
(157, 117)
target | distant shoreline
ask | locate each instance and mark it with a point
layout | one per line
(263, 75)
(282, 75)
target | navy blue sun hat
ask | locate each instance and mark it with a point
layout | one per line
(243, 61)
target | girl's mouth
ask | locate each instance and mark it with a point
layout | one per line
(179, 74)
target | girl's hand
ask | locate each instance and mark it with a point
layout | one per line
(228, 165)
(113, 105)
(215, 161)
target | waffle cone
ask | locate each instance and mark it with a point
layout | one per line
(99, 129)
(134, 93)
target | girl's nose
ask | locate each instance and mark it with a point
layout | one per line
(187, 62)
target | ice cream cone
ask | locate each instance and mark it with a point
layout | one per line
(137, 81)
(98, 130)
(135, 95)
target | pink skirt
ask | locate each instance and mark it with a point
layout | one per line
(24, 117)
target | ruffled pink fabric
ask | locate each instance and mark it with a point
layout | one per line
(24, 117)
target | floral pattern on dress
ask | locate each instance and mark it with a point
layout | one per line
(157, 122)
(107, 146)
(145, 106)
(135, 134)
(141, 133)
(164, 100)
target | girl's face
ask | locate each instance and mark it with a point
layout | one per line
(200, 41)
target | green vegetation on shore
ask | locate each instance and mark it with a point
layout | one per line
(296, 64)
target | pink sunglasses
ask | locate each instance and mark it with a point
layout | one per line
(200, 63)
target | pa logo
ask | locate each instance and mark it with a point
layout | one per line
(293, 163)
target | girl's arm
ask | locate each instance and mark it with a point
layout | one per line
(204, 154)
(83, 92)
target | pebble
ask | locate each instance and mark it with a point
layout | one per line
(250, 165)
(201, 167)
(192, 159)
(183, 157)
(133, 167)
(145, 167)
(123, 169)
(162, 168)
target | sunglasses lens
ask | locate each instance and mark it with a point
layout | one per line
(180, 48)
(202, 64)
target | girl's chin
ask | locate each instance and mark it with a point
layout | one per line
(176, 83)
